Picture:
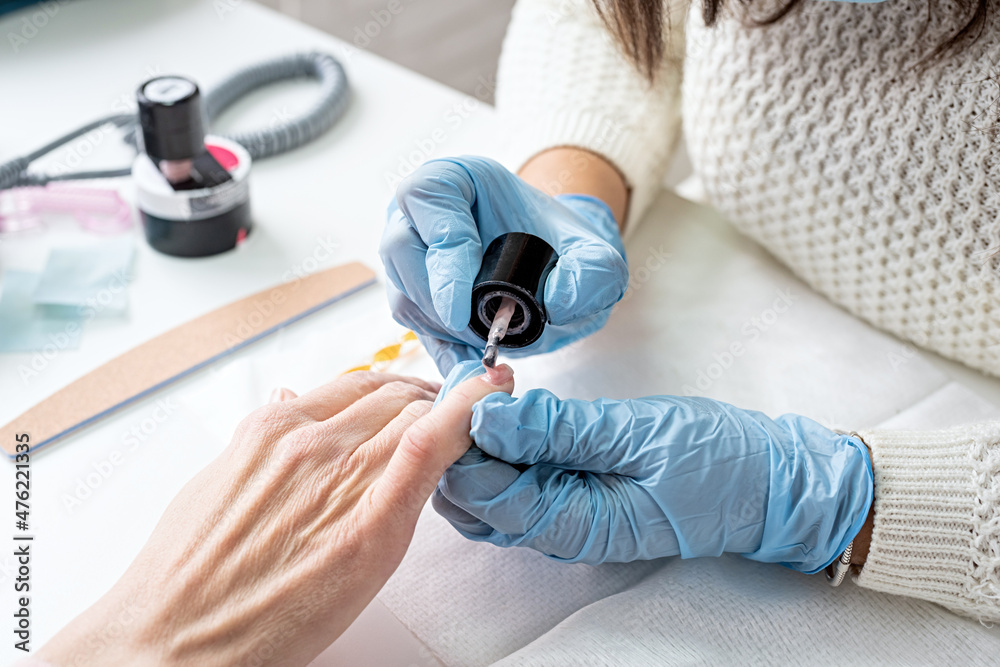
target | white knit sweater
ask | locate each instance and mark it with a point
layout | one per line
(871, 178)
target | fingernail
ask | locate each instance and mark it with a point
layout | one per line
(498, 375)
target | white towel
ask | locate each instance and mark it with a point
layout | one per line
(721, 317)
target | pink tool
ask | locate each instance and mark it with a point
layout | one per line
(95, 209)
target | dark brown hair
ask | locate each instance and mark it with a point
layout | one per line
(639, 25)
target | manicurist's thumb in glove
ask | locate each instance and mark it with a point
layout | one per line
(623, 480)
(446, 214)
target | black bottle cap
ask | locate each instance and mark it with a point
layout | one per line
(171, 118)
(515, 265)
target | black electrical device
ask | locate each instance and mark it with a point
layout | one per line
(515, 266)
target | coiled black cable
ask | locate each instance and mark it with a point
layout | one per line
(331, 102)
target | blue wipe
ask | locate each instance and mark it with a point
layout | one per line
(26, 327)
(92, 277)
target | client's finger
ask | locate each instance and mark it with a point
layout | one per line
(434, 442)
(379, 449)
(366, 417)
(332, 398)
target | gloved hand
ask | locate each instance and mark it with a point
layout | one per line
(446, 214)
(616, 481)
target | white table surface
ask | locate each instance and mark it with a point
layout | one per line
(87, 59)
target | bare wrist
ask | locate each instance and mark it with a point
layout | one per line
(570, 170)
(111, 632)
(862, 543)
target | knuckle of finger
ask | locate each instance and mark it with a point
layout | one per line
(365, 381)
(355, 545)
(405, 390)
(465, 393)
(420, 439)
(418, 408)
(263, 419)
(299, 444)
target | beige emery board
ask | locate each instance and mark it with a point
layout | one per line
(180, 351)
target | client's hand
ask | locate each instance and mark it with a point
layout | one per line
(270, 552)
(628, 480)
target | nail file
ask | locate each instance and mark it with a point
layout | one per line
(179, 352)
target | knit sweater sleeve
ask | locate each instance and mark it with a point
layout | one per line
(564, 82)
(937, 517)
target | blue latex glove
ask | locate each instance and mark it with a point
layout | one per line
(449, 211)
(615, 481)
